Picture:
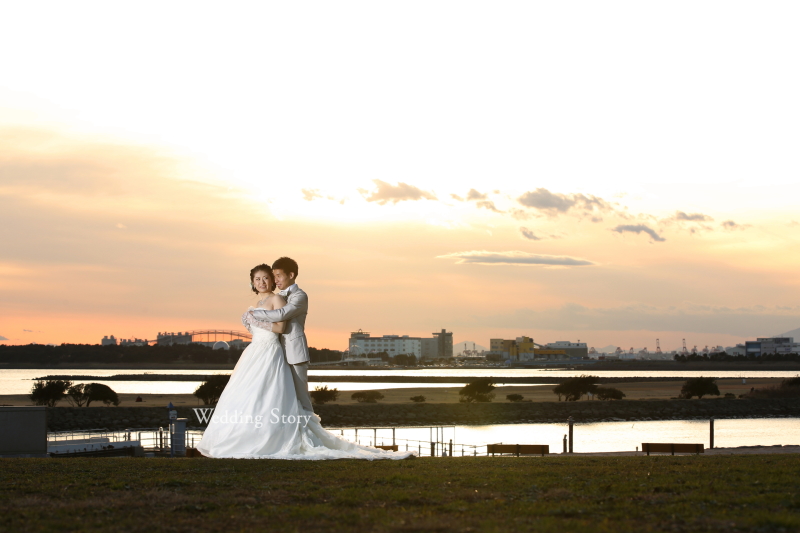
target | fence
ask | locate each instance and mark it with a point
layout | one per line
(157, 440)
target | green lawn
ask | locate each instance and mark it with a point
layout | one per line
(559, 494)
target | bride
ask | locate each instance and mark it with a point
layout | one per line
(258, 415)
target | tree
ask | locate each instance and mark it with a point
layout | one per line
(77, 395)
(367, 396)
(699, 387)
(49, 392)
(211, 389)
(97, 392)
(321, 395)
(478, 390)
(405, 360)
(608, 393)
(417, 399)
(573, 388)
(514, 397)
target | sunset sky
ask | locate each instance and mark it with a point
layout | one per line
(613, 172)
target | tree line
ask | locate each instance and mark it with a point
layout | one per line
(725, 357)
(95, 353)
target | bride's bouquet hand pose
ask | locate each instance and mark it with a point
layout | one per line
(259, 415)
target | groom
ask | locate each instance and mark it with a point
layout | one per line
(294, 342)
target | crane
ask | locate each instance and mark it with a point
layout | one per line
(684, 351)
(658, 346)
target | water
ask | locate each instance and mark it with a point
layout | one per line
(587, 438)
(595, 437)
(19, 381)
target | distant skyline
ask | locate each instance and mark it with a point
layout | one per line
(613, 172)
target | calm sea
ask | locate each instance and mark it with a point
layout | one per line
(19, 381)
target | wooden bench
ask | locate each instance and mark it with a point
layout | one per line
(661, 447)
(390, 447)
(518, 449)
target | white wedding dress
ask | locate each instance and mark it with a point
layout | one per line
(258, 415)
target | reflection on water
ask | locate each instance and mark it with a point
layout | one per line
(19, 381)
(601, 436)
(18, 386)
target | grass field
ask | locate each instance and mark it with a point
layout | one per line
(558, 494)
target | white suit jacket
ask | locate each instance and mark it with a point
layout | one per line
(294, 314)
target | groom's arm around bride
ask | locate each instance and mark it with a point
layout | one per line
(294, 313)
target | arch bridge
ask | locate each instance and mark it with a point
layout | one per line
(203, 336)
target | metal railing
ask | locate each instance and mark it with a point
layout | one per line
(157, 440)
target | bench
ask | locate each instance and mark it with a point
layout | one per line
(661, 447)
(390, 447)
(518, 449)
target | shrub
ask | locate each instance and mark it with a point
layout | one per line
(97, 392)
(573, 388)
(367, 396)
(417, 399)
(478, 390)
(608, 393)
(699, 387)
(211, 389)
(49, 392)
(514, 397)
(730, 395)
(321, 395)
(77, 395)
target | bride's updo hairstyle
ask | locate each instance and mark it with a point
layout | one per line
(262, 268)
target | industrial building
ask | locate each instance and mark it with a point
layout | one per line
(771, 345)
(438, 346)
(524, 349)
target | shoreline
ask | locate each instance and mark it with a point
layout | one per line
(626, 366)
(448, 414)
(635, 389)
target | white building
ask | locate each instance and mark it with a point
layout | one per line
(361, 343)
(572, 349)
(132, 342)
(108, 341)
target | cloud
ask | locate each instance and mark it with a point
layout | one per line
(310, 194)
(481, 200)
(28, 330)
(528, 234)
(3, 338)
(120, 225)
(554, 204)
(730, 225)
(513, 258)
(639, 228)
(475, 195)
(793, 224)
(693, 217)
(488, 204)
(401, 192)
(752, 321)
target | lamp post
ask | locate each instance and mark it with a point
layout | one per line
(570, 433)
(172, 415)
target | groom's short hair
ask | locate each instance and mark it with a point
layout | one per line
(287, 264)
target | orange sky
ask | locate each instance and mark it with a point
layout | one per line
(517, 169)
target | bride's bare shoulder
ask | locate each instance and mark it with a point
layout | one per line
(276, 301)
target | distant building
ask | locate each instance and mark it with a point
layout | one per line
(168, 339)
(108, 341)
(771, 345)
(444, 343)
(525, 349)
(440, 345)
(572, 349)
(132, 342)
